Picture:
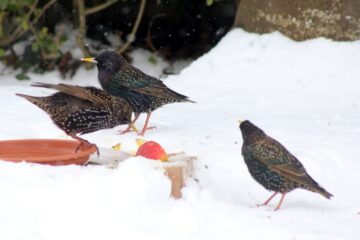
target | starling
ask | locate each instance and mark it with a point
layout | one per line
(273, 166)
(143, 92)
(81, 110)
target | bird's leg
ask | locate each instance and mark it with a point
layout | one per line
(269, 199)
(83, 142)
(142, 133)
(281, 200)
(131, 126)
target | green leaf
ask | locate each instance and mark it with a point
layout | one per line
(24, 25)
(50, 46)
(22, 3)
(2, 52)
(209, 2)
(27, 2)
(22, 77)
(12, 7)
(2, 14)
(44, 31)
(63, 38)
(3, 4)
(152, 60)
(35, 46)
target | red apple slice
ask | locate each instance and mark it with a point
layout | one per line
(152, 150)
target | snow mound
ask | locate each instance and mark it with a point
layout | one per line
(304, 94)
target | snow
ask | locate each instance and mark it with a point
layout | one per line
(304, 94)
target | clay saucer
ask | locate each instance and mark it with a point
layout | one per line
(45, 151)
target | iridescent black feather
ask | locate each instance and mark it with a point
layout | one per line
(272, 165)
(80, 110)
(143, 92)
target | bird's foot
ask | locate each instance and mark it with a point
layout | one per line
(264, 205)
(127, 130)
(130, 128)
(142, 133)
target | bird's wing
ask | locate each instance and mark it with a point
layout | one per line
(296, 176)
(140, 82)
(92, 120)
(86, 93)
(277, 158)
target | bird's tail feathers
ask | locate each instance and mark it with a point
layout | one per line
(180, 96)
(188, 100)
(323, 192)
(38, 101)
(29, 98)
(72, 90)
(44, 85)
(163, 92)
(313, 186)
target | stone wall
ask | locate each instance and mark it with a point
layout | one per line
(301, 19)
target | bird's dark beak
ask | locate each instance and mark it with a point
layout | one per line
(89, 59)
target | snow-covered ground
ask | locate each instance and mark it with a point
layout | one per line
(306, 95)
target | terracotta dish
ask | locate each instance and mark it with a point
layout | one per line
(45, 151)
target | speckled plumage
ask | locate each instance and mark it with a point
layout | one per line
(272, 165)
(143, 92)
(81, 110)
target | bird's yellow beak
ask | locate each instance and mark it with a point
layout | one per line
(89, 59)
(240, 121)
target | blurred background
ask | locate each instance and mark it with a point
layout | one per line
(45, 35)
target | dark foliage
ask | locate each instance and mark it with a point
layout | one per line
(173, 29)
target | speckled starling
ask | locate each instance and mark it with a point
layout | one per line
(273, 166)
(143, 92)
(81, 110)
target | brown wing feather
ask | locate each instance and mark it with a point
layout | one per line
(163, 92)
(280, 160)
(301, 178)
(73, 90)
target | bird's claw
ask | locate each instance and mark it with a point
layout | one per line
(142, 133)
(130, 128)
(127, 130)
